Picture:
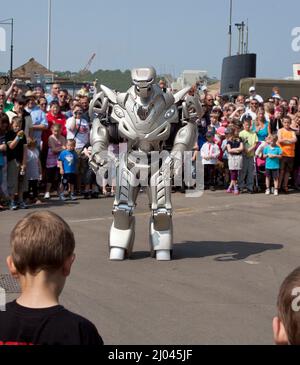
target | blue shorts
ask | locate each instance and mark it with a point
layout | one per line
(1, 176)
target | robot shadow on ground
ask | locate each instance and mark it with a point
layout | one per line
(221, 251)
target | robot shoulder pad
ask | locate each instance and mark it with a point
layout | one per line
(121, 99)
(169, 99)
(112, 96)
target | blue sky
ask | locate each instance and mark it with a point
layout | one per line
(171, 35)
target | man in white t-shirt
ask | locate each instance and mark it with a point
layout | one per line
(79, 130)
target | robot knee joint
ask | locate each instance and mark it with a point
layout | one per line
(122, 217)
(162, 219)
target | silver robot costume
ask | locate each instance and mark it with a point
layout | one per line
(145, 117)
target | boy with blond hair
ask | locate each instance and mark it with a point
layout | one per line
(42, 256)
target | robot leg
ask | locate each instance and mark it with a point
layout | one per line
(122, 232)
(161, 228)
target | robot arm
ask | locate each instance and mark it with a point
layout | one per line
(99, 142)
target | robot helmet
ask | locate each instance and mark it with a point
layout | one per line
(143, 79)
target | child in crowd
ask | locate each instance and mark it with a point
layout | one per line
(16, 163)
(286, 326)
(210, 153)
(287, 140)
(34, 170)
(68, 162)
(214, 122)
(56, 143)
(235, 149)
(250, 140)
(42, 255)
(4, 125)
(225, 156)
(273, 155)
(90, 177)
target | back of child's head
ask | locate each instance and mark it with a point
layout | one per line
(288, 305)
(41, 241)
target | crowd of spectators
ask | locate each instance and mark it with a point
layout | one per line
(247, 144)
(44, 146)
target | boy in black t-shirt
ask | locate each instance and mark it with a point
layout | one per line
(42, 255)
(16, 153)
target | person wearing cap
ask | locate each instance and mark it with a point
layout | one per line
(253, 95)
(209, 154)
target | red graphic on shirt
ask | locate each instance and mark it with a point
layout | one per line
(13, 343)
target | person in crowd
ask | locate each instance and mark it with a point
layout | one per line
(4, 126)
(214, 122)
(42, 254)
(16, 163)
(252, 110)
(30, 102)
(272, 153)
(286, 325)
(7, 106)
(261, 126)
(209, 154)
(39, 121)
(250, 140)
(34, 171)
(293, 107)
(269, 110)
(162, 84)
(85, 104)
(53, 96)
(295, 126)
(276, 123)
(235, 150)
(54, 116)
(68, 162)
(19, 111)
(56, 143)
(90, 177)
(39, 92)
(228, 132)
(287, 141)
(240, 101)
(63, 101)
(84, 91)
(79, 130)
(254, 95)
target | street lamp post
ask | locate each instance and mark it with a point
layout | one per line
(49, 35)
(230, 29)
(10, 22)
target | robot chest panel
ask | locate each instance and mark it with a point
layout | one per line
(133, 128)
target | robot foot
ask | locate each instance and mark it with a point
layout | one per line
(117, 254)
(163, 255)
